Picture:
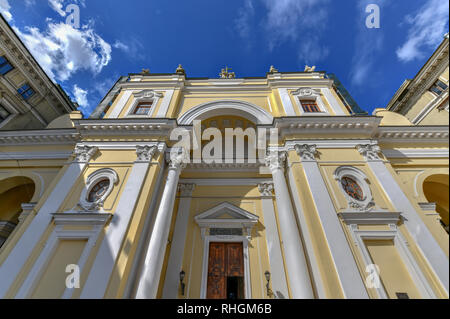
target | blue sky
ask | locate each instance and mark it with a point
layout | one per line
(120, 37)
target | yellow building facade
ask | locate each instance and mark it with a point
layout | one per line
(332, 204)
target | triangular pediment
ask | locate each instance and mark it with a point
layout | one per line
(226, 210)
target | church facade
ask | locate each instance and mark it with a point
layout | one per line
(324, 202)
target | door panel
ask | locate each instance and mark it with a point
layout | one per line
(216, 271)
(226, 260)
(235, 260)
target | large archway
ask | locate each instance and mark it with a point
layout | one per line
(435, 189)
(14, 192)
(243, 109)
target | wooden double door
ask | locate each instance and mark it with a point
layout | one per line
(225, 271)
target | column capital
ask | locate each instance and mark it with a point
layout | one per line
(275, 160)
(369, 151)
(84, 153)
(186, 189)
(307, 152)
(145, 153)
(178, 159)
(266, 189)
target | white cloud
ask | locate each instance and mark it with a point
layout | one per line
(57, 5)
(133, 48)
(290, 20)
(80, 96)
(5, 10)
(428, 27)
(63, 50)
(243, 20)
(121, 46)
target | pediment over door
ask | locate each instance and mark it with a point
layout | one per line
(226, 219)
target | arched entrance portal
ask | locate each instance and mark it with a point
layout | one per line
(435, 188)
(14, 192)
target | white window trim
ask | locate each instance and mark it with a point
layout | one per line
(144, 96)
(13, 112)
(244, 220)
(367, 203)
(97, 221)
(402, 247)
(91, 181)
(309, 94)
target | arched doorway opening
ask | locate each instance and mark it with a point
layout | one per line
(435, 188)
(14, 192)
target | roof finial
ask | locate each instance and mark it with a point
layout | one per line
(145, 71)
(180, 70)
(224, 74)
(272, 69)
(309, 68)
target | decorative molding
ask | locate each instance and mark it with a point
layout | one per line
(177, 159)
(428, 206)
(370, 218)
(266, 189)
(409, 134)
(307, 152)
(145, 153)
(240, 219)
(81, 219)
(276, 160)
(30, 155)
(307, 93)
(39, 137)
(186, 189)
(91, 181)
(416, 153)
(84, 153)
(369, 151)
(367, 203)
(225, 181)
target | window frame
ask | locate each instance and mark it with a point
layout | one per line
(4, 63)
(309, 94)
(24, 91)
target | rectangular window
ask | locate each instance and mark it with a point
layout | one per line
(143, 108)
(4, 114)
(309, 106)
(26, 91)
(438, 87)
(5, 66)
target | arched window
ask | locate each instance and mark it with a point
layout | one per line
(98, 187)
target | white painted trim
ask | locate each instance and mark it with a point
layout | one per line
(225, 181)
(344, 262)
(164, 107)
(250, 111)
(429, 107)
(416, 153)
(310, 94)
(307, 238)
(105, 261)
(120, 104)
(174, 265)
(286, 102)
(334, 104)
(289, 145)
(278, 275)
(35, 155)
(401, 245)
(235, 239)
(143, 96)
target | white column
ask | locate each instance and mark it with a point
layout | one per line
(32, 235)
(172, 281)
(346, 267)
(419, 231)
(105, 260)
(151, 271)
(297, 268)
(278, 275)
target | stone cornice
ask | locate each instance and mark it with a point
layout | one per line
(331, 125)
(408, 134)
(39, 137)
(119, 127)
